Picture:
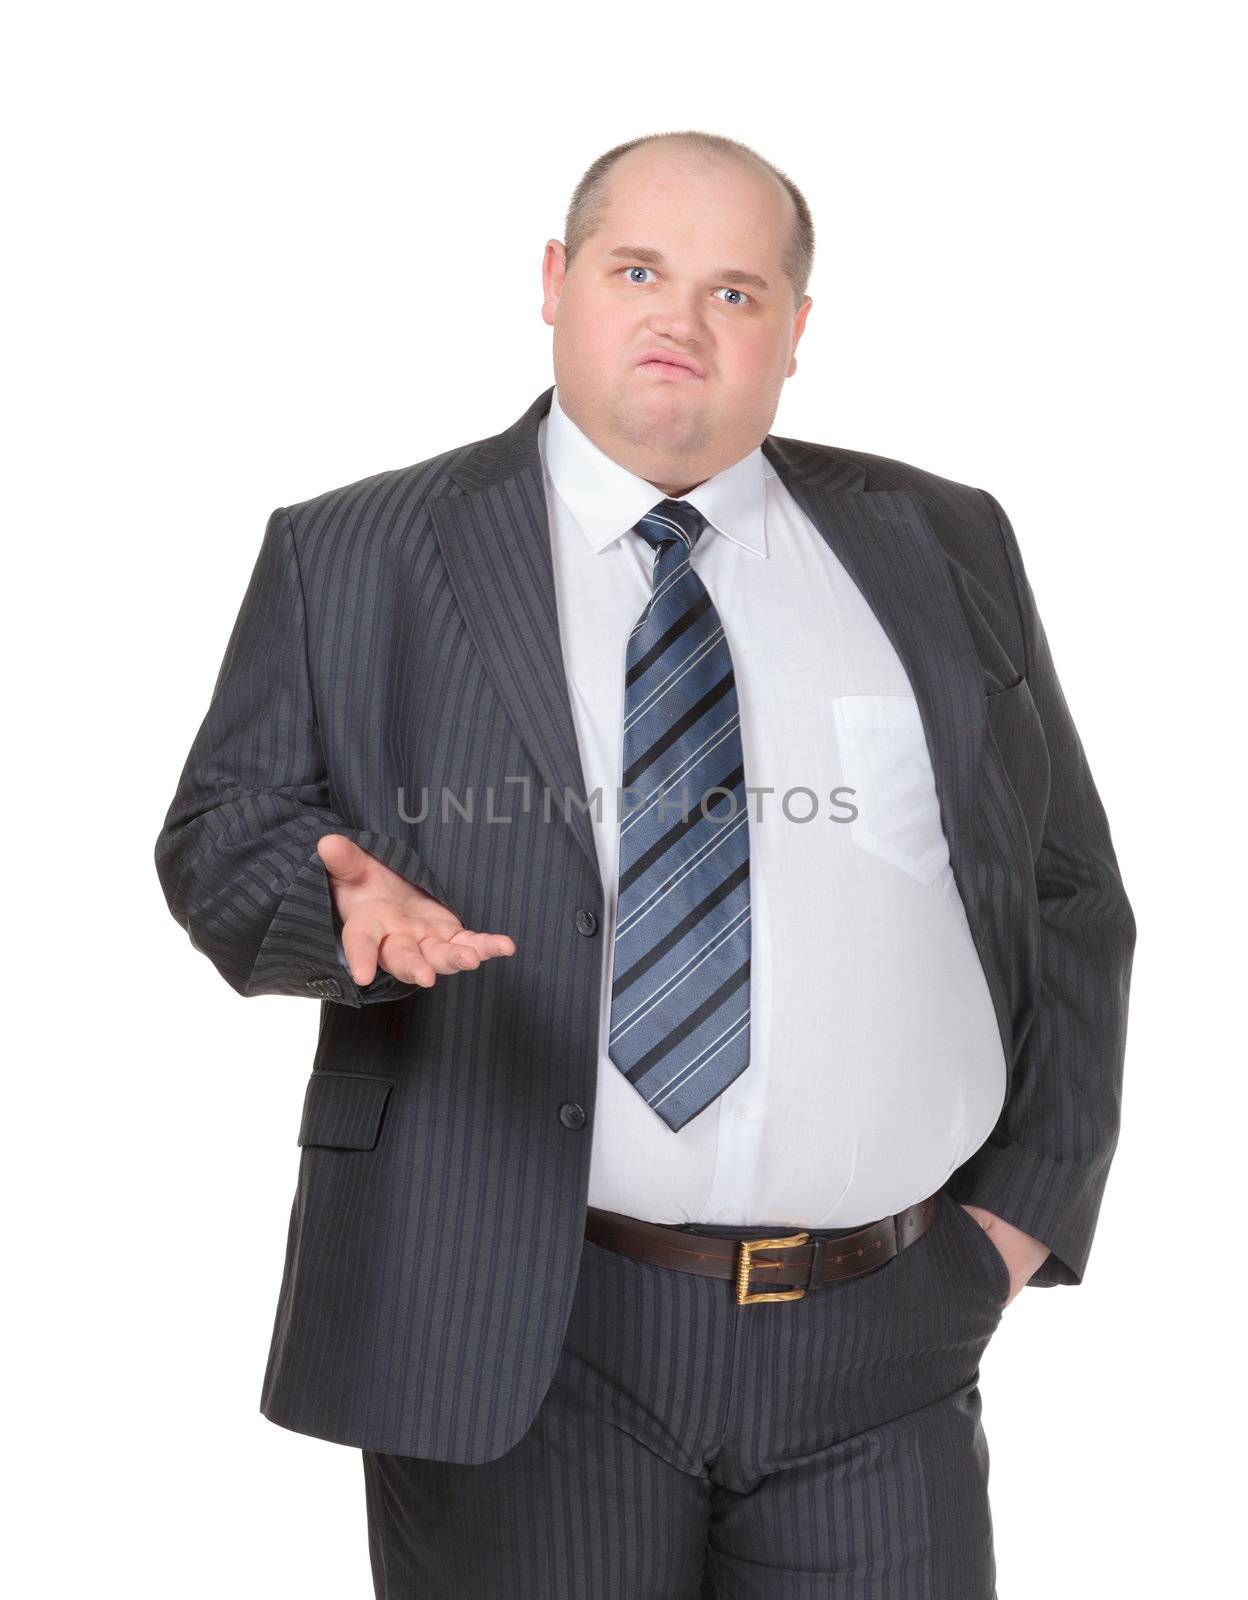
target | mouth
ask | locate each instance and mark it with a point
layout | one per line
(670, 369)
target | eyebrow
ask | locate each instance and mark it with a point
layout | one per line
(652, 258)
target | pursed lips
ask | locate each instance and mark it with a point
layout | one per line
(669, 369)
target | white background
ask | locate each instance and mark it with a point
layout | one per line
(259, 251)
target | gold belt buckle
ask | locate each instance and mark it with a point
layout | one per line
(745, 1261)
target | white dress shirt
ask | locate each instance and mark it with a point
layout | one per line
(876, 1064)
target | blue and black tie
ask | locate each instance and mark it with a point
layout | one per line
(680, 990)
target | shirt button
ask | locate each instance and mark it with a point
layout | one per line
(744, 1113)
(724, 1213)
(571, 1115)
(586, 923)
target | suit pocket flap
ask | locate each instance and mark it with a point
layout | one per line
(343, 1109)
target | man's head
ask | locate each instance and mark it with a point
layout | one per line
(685, 245)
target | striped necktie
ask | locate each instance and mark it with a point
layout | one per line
(680, 989)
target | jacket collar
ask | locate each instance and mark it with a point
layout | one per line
(606, 499)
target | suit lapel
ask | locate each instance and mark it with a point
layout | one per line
(886, 543)
(496, 543)
(495, 539)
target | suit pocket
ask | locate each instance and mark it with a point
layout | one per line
(343, 1110)
(884, 759)
(991, 1265)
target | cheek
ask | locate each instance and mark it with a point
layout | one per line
(753, 362)
(600, 334)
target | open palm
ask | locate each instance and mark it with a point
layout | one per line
(388, 923)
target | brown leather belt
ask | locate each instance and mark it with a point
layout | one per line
(779, 1267)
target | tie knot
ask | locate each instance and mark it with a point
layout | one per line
(670, 520)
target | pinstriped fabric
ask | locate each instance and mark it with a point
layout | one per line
(1050, 1154)
(342, 1110)
(689, 1447)
(680, 992)
(351, 687)
(399, 637)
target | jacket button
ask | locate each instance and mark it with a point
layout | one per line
(586, 922)
(572, 1115)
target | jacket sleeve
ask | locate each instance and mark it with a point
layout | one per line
(237, 855)
(1045, 1165)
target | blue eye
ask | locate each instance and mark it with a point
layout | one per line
(726, 290)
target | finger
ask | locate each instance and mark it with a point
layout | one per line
(486, 944)
(362, 934)
(474, 948)
(401, 956)
(443, 937)
(445, 956)
(423, 959)
(415, 949)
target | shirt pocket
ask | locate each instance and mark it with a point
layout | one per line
(884, 759)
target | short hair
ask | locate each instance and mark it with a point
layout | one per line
(585, 210)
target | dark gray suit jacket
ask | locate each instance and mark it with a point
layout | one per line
(399, 635)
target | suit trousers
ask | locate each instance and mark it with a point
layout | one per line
(691, 1448)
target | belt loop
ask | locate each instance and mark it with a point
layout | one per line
(816, 1261)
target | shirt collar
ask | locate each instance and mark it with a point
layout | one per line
(606, 500)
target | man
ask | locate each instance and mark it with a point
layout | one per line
(736, 771)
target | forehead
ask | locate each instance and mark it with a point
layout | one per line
(694, 213)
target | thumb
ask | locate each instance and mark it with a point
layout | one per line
(342, 857)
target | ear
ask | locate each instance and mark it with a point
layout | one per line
(799, 327)
(554, 270)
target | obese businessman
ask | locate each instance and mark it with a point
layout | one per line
(721, 952)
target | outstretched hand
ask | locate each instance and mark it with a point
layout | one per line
(388, 923)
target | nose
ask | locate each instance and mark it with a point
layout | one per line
(677, 318)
